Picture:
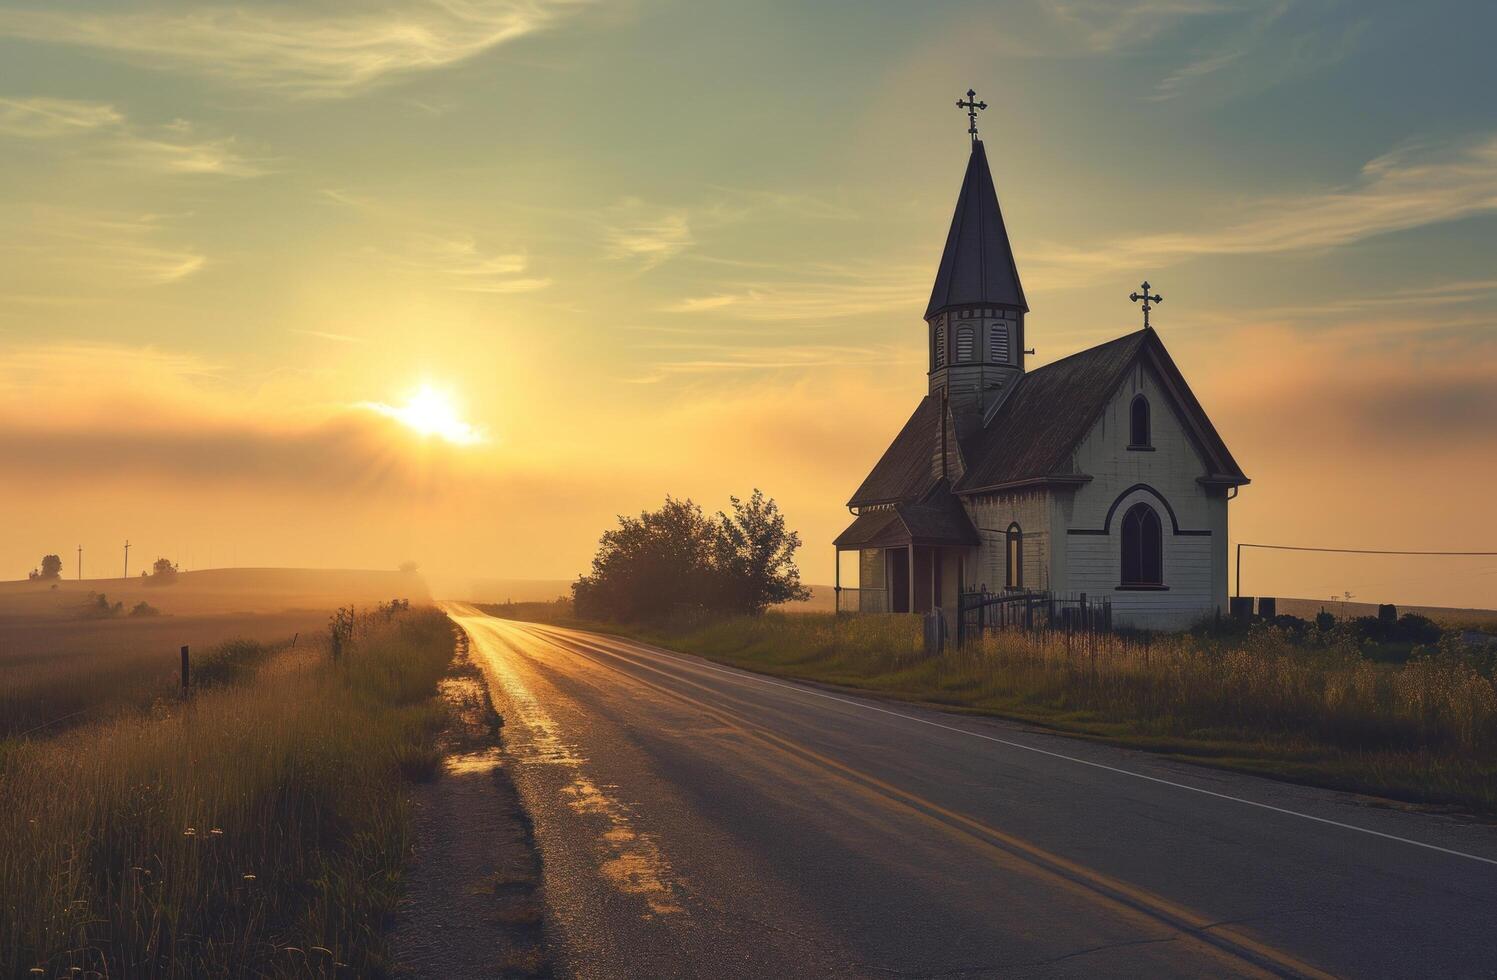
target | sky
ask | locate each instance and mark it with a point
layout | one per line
(620, 250)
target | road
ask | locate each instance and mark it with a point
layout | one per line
(699, 821)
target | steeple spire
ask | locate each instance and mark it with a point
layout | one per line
(977, 268)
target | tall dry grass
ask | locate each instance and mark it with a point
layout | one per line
(259, 830)
(1425, 731)
(63, 672)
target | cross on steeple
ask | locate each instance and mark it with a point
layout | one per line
(1156, 298)
(971, 105)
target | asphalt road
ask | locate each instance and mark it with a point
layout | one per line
(696, 820)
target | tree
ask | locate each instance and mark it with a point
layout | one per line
(649, 565)
(677, 558)
(51, 568)
(754, 558)
(163, 571)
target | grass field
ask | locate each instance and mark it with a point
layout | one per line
(1424, 732)
(60, 672)
(257, 830)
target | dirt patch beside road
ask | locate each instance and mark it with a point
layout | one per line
(472, 905)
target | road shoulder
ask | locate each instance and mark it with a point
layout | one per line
(472, 905)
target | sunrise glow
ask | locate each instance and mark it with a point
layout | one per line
(431, 411)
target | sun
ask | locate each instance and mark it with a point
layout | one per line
(432, 412)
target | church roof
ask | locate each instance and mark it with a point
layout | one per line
(1031, 436)
(905, 471)
(977, 268)
(1047, 414)
(937, 518)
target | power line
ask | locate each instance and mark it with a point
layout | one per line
(1352, 551)
(1368, 551)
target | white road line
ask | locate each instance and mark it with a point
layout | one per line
(744, 675)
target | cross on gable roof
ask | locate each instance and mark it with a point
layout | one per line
(1030, 437)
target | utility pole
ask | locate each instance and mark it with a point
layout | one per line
(127, 558)
(80, 563)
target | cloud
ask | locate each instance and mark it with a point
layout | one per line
(820, 292)
(150, 416)
(1110, 25)
(101, 129)
(107, 247)
(301, 49)
(459, 262)
(1405, 189)
(639, 231)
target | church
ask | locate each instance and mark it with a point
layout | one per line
(1097, 475)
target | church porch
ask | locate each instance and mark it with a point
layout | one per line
(907, 561)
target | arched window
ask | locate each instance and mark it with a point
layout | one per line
(1143, 548)
(998, 343)
(940, 352)
(1015, 548)
(1138, 424)
(964, 343)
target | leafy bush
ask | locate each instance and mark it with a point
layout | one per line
(677, 559)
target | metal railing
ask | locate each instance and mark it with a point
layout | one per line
(984, 610)
(862, 600)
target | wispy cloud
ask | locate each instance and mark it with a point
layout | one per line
(818, 292)
(643, 232)
(301, 49)
(104, 247)
(1406, 189)
(101, 130)
(1110, 25)
(461, 262)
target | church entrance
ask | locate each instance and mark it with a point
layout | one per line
(899, 579)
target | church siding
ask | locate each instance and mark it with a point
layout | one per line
(991, 514)
(1093, 562)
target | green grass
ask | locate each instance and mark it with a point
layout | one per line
(1423, 732)
(258, 830)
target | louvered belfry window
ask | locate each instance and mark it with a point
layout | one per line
(940, 359)
(964, 343)
(998, 343)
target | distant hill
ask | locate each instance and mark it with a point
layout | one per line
(220, 590)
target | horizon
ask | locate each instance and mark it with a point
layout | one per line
(392, 299)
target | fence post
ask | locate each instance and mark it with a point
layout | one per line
(186, 690)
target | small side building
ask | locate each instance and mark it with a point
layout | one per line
(1099, 473)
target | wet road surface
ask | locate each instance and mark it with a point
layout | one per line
(696, 820)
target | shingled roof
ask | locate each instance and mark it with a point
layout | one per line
(905, 472)
(1046, 415)
(1031, 436)
(977, 268)
(937, 518)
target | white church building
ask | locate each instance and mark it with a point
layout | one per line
(1097, 474)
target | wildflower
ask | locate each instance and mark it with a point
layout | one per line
(215, 832)
(190, 832)
(249, 877)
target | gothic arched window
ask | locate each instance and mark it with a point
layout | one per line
(939, 358)
(1014, 543)
(1143, 548)
(1139, 436)
(964, 343)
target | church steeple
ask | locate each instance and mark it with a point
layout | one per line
(977, 268)
(977, 306)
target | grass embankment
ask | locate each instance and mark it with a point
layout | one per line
(1423, 732)
(258, 830)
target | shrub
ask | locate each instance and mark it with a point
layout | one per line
(677, 560)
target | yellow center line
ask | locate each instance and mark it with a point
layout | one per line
(1116, 893)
